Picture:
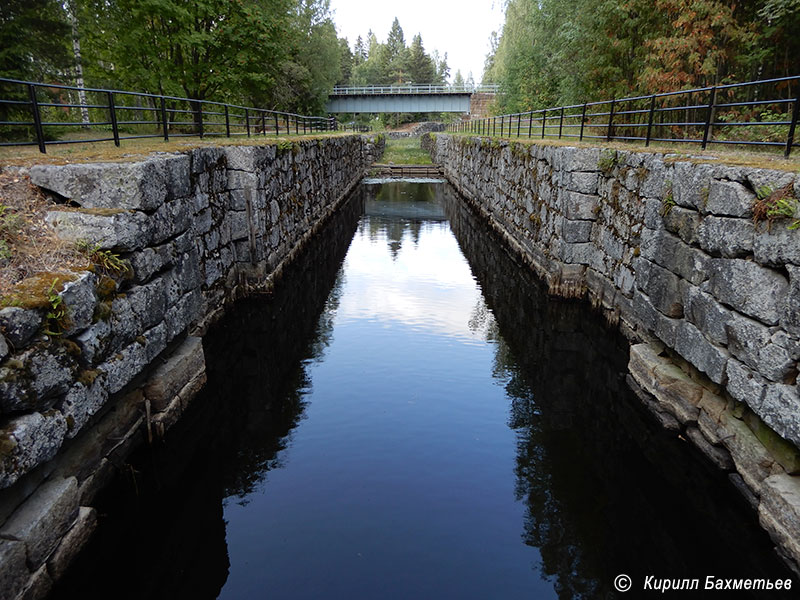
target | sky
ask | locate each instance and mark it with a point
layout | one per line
(462, 29)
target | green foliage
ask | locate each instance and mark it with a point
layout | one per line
(771, 205)
(405, 151)
(558, 52)
(105, 262)
(56, 311)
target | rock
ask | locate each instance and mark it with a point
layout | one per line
(585, 183)
(39, 586)
(670, 252)
(19, 325)
(719, 456)
(136, 185)
(684, 222)
(169, 378)
(94, 342)
(723, 236)
(777, 246)
(707, 314)
(665, 291)
(579, 206)
(690, 184)
(73, 542)
(695, 348)
(124, 366)
(83, 401)
(37, 375)
(779, 511)
(780, 409)
(791, 316)
(749, 288)
(729, 199)
(43, 519)
(80, 299)
(14, 572)
(27, 441)
(745, 385)
(116, 230)
(3, 348)
(746, 338)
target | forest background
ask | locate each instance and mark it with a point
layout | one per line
(285, 54)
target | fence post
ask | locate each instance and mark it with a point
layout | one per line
(544, 121)
(530, 123)
(561, 122)
(650, 119)
(227, 123)
(263, 124)
(709, 116)
(610, 119)
(790, 138)
(519, 122)
(277, 129)
(296, 127)
(247, 121)
(112, 111)
(286, 123)
(200, 113)
(304, 126)
(583, 120)
(37, 118)
(164, 122)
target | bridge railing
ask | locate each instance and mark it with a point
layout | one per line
(755, 113)
(414, 88)
(35, 113)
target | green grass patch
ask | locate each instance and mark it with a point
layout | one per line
(405, 151)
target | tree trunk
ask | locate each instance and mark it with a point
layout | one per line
(76, 49)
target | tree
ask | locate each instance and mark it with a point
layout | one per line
(33, 36)
(202, 49)
(702, 47)
(420, 66)
(458, 80)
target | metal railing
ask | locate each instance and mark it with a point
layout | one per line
(35, 113)
(755, 113)
(414, 88)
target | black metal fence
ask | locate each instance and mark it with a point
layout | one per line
(33, 113)
(756, 113)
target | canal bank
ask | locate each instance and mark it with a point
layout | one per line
(672, 251)
(409, 414)
(101, 361)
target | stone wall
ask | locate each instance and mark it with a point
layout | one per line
(98, 362)
(670, 251)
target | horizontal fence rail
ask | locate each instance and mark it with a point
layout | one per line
(414, 88)
(755, 113)
(35, 113)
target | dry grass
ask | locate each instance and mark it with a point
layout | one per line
(767, 159)
(131, 150)
(28, 246)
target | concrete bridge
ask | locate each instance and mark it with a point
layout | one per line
(409, 98)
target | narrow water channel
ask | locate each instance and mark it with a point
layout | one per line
(410, 416)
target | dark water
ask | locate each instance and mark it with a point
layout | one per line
(410, 416)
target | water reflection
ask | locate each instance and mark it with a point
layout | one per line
(414, 424)
(607, 490)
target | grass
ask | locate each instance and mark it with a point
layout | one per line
(405, 151)
(136, 149)
(767, 159)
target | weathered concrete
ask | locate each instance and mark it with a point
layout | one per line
(176, 238)
(668, 250)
